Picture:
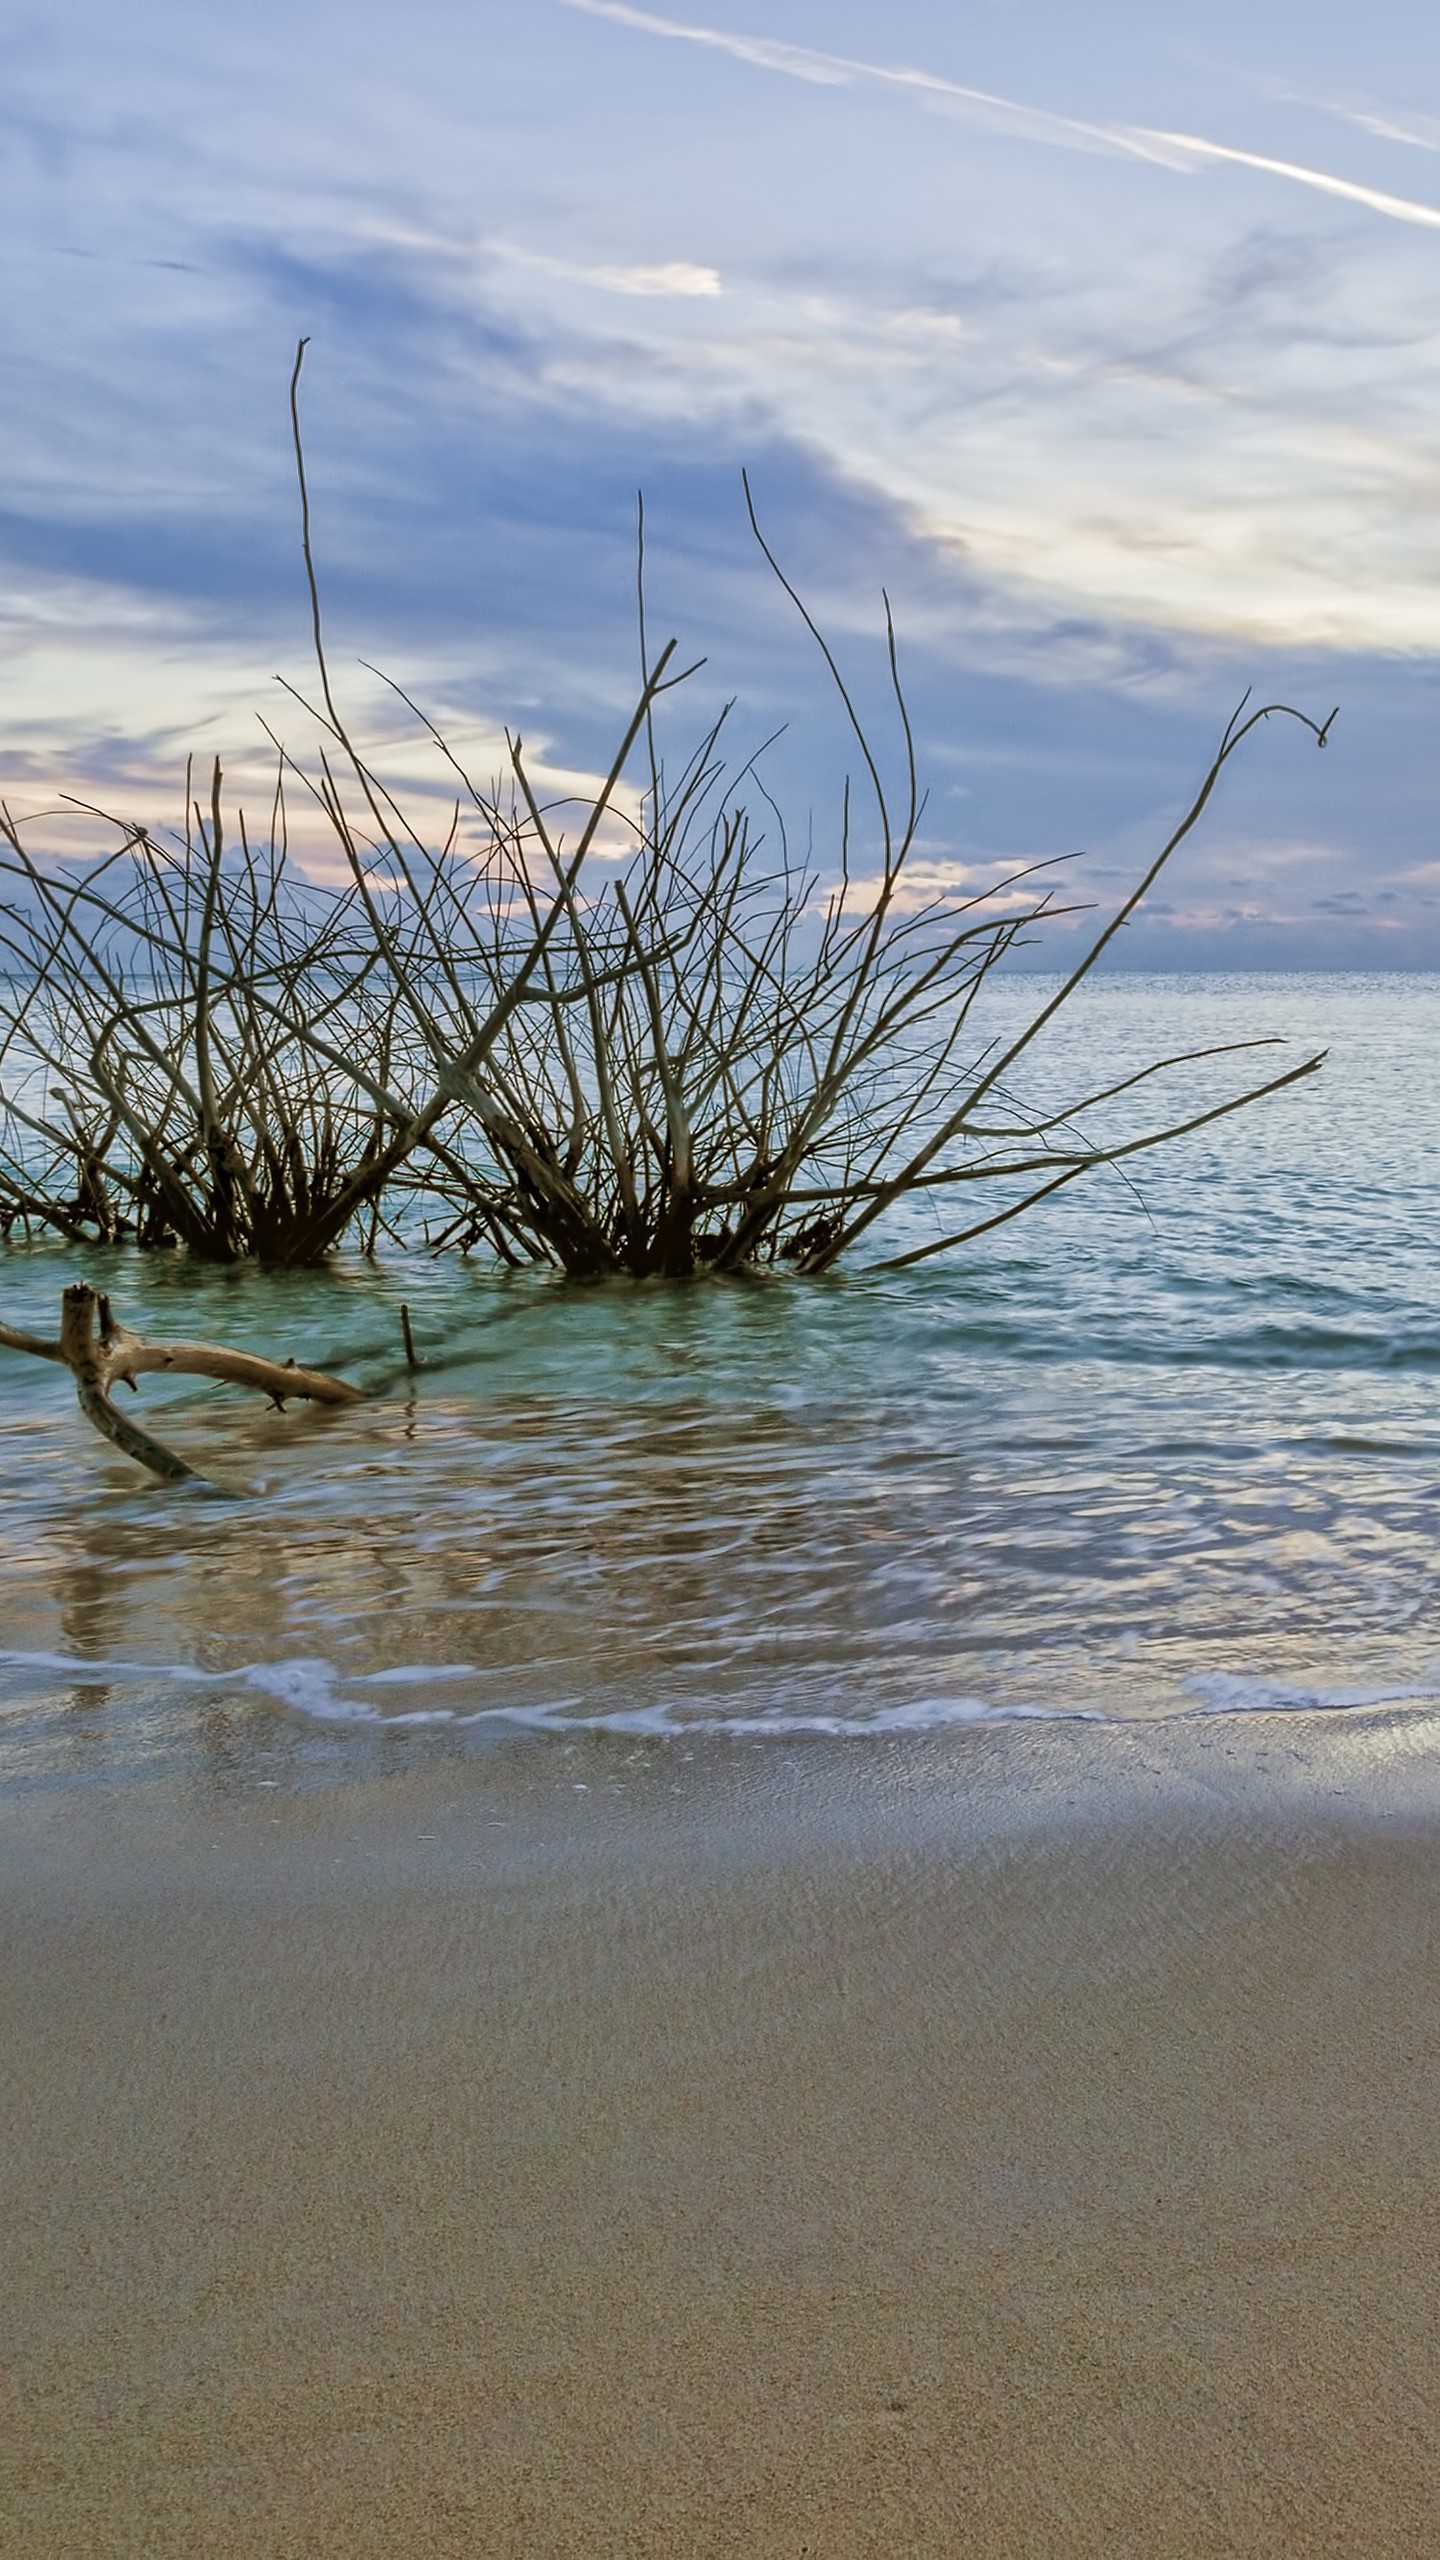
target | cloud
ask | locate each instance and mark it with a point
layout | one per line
(668, 279)
(1110, 438)
(1387, 124)
(1264, 494)
(1009, 117)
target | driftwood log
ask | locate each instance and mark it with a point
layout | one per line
(100, 1353)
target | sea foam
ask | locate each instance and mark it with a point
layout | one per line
(324, 1693)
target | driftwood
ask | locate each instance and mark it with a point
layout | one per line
(100, 1352)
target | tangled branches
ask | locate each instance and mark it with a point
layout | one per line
(630, 1038)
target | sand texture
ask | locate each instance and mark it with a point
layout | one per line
(387, 2181)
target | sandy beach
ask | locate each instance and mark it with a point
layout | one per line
(721, 2164)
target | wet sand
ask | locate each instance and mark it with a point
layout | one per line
(554, 2168)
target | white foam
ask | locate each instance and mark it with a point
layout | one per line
(316, 1688)
(925, 1715)
(408, 1673)
(308, 1685)
(1229, 1693)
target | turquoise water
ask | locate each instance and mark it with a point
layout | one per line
(1164, 1448)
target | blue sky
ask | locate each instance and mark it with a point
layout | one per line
(1108, 340)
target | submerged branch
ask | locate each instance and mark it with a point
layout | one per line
(100, 1353)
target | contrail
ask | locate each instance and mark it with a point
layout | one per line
(840, 71)
(1399, 208)
(1006, 115)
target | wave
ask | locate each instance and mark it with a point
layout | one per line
(318, 1690)
(1227, 1693)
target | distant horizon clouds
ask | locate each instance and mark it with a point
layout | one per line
(1112, 350)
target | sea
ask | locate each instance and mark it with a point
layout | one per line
(1163, 1453)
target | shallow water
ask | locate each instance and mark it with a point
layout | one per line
(1167, 1447)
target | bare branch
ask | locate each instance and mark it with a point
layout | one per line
(99, 1352)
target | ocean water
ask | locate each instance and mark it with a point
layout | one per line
(1166, 1448)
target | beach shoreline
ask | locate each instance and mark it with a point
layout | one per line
(927, 2154)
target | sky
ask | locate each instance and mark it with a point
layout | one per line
(1106, 342)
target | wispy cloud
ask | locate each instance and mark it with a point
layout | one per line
(674, 278)
(1018, 122)
(1386, 124)
(668, 279)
